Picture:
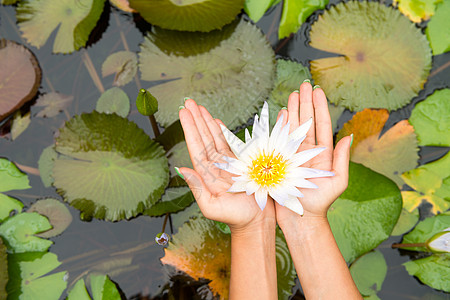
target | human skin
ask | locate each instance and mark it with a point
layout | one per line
(253, 263)
(322, 270)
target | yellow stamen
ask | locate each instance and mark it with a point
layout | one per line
(268, 169)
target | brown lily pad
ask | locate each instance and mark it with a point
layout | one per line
(20, 76)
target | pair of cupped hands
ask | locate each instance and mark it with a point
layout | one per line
(209, 184)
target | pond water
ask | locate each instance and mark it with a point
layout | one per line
(108, 247)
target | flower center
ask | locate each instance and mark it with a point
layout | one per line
(268, 169)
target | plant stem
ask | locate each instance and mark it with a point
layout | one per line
(154, 125)
(409, 245)
(165, 222)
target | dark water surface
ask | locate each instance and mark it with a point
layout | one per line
(85, 244)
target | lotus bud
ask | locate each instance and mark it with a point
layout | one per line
(146, 103)
(162, 238)
(440, 242)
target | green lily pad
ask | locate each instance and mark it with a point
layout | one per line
(201, 250)
(74, 20)
(173, 200)
(417, 10)
(3, 270)
(432, 181)
(406, 222)
(438, 31)
(430, 119)
(45, 165)
(108, 167)
(365, 214)
(432, 271)
(7, 205)
(289, 76)
(255, 9)
(123, 64)
(78, 292)
(103, 288)
(11, 178)
(28, 276)
(20, 124)
(53, 104)
(114, 100)
(369, 272)
(384, 59)
(425, 230)
(56, 212)
(188, 15)
(231, 80)
(295, 13)
(20, 77)
(19, 233)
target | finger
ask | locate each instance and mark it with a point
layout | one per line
(307, 111)
(341, 159)
(283, 112)
(205, 134)
(219, 140)
(193, 139)
(324, 134)
(199, 189)
(293, 110)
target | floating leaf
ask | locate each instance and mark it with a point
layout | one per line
(20, 123)
(53, 104)
(198, 15)
(255, 9)
(20, 77)
(56, 212)
(406, 221)
(201, 250)
(289, 76)
(108, 167)
(114, 100)
(18, 232)
(391, 154)
(173, 200)
(432, 270)
(431, 120)
(123, 64)
(369, 272)
(7, 205)
(415, 199)
(417, 10)
(365, 214)
(11, 178)
(28, 280)
(295, 13)
(146, 104)
(8, 2)
(45, 164)
(103, 288)
(123, 5)
(425, 230)
(74, 20)
(3, 271)
(432, 182)
(438, 31)
(231, 80)
(78, 292)
(385, 60)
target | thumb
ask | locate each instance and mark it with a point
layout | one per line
(341, 158)
(198, 187)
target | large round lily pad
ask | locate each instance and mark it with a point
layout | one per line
(365, 214)
(73, 19)
(188, 15)
(108, 167)
(384, 59)
(20, 76)
(231, 79)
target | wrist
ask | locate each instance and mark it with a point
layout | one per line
(305, 227)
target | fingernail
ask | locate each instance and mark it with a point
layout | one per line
(181, 107)
(351, 143)
(316, 87)
(186, 98)
(179, 173)
(307, 80)
(296, 91)
(284, 107)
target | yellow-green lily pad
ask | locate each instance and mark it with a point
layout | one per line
(438, 31)
(417, 10)
(11, 178)
(7, 205)
(123, 64)
(114, 100)
(56, 212)
(383, 62)
(369, 272)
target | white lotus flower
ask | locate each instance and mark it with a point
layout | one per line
(269, 164)
(440, 242)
